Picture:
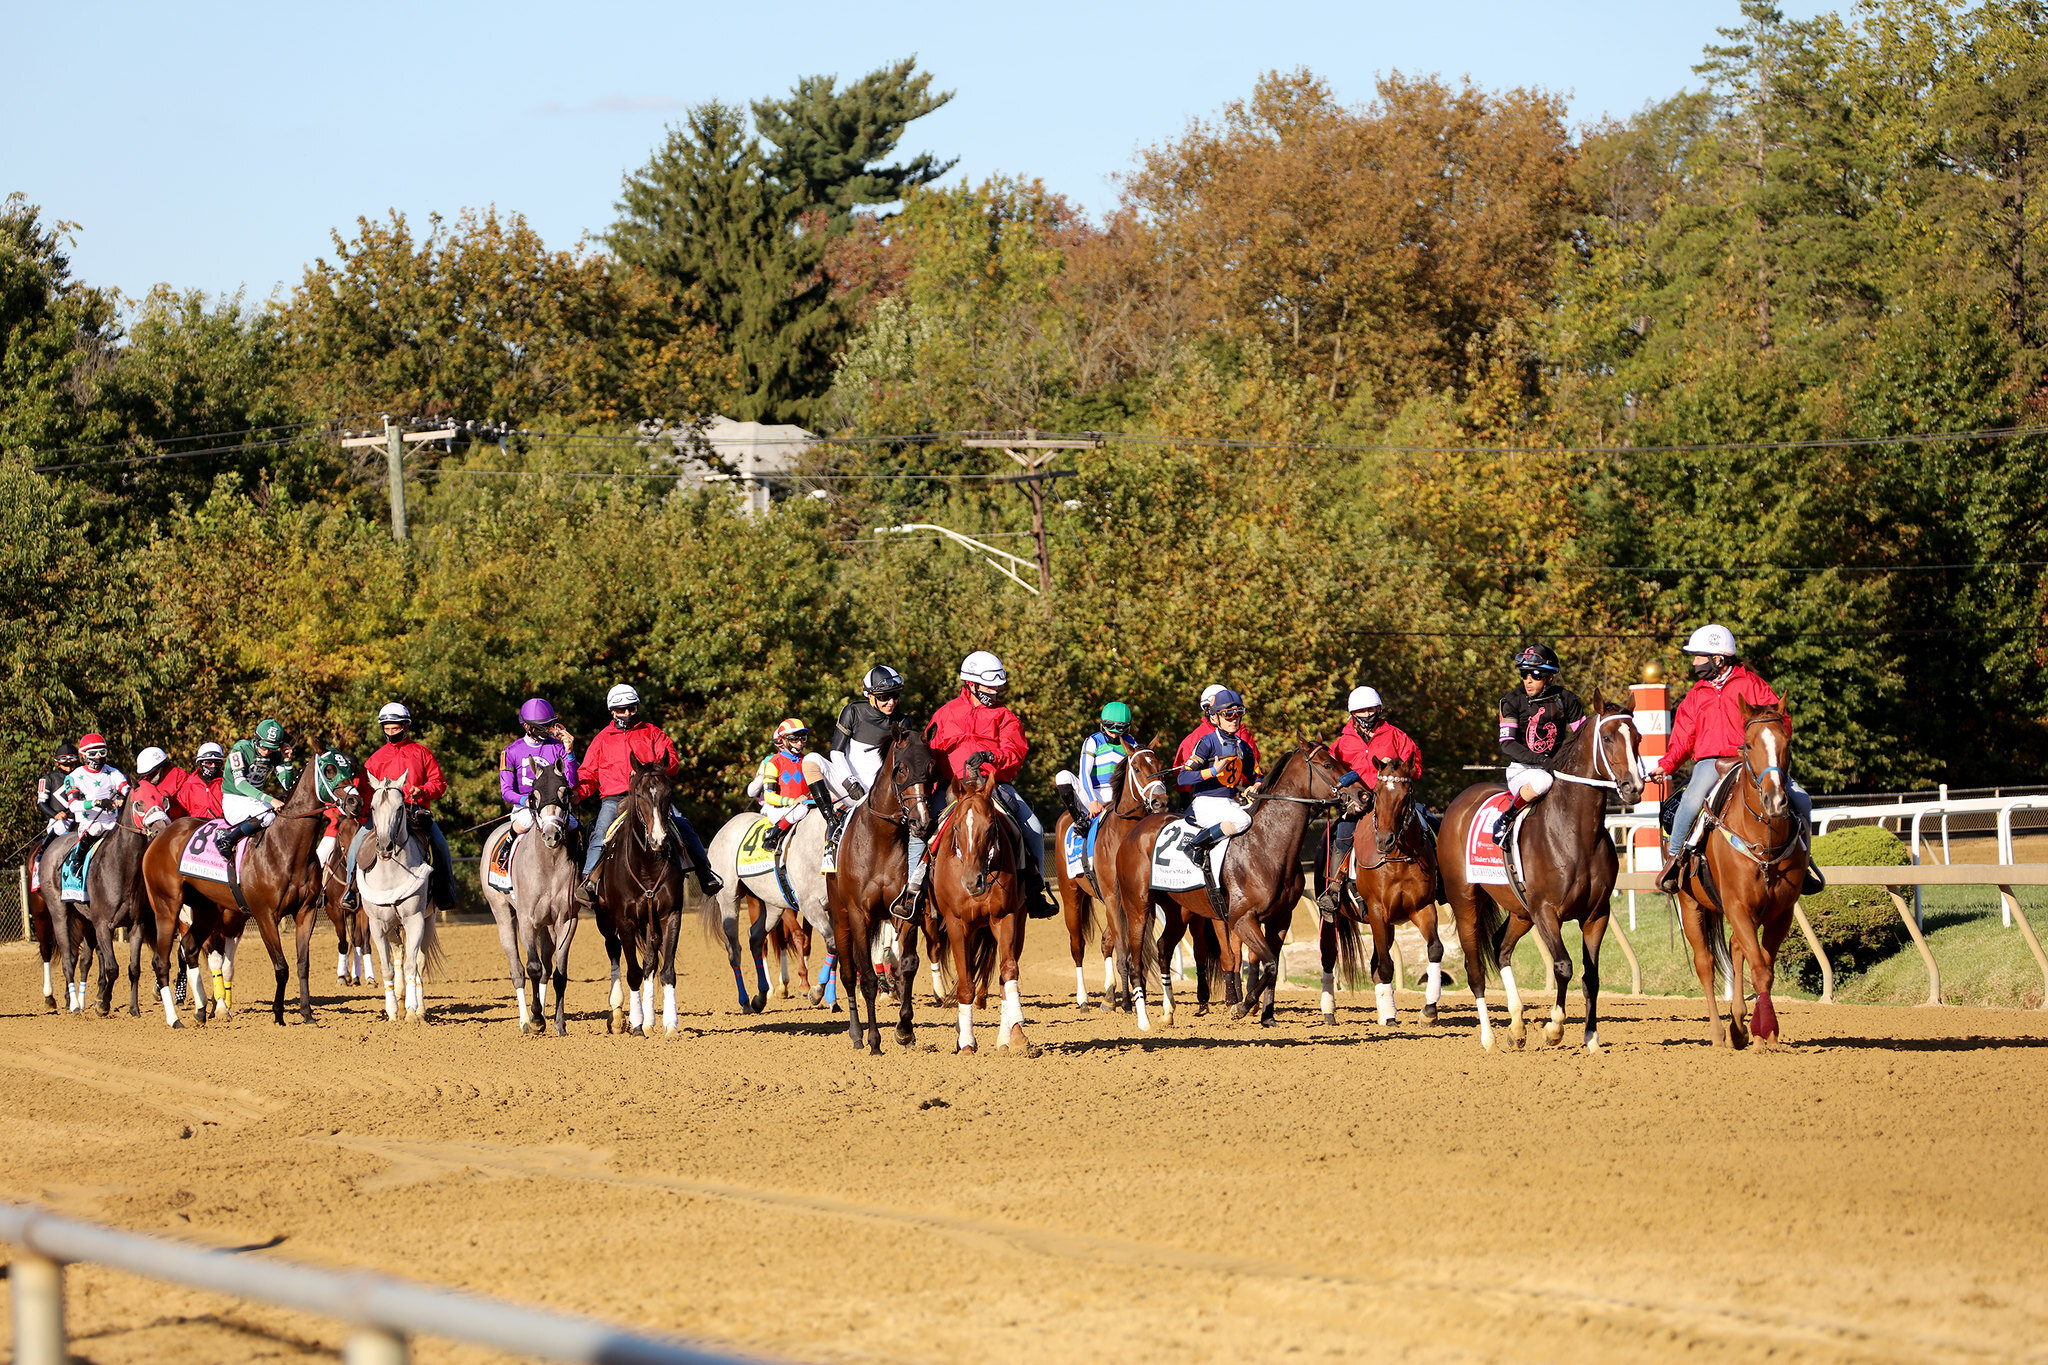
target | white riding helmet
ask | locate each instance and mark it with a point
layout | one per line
(984, 669)
(150, 759)
(394, 710)
(210, 750)
(622, 695)
(1712, 640)
(1363, 699)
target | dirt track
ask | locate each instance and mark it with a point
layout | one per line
(1874, 1191)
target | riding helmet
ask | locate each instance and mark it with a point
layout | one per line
(150, 759)
(1535, 658)
(210, 752)
(984, 669)
(1712, 640)
(269, 734)
(67, 752)
(394, 711)
(1115, 713)
(536, 711)
(1363, 699)
(92, 746)
(791, 729)
(620, 697)
(882, 681)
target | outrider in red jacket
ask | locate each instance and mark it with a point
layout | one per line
(1709, 723)
(1389, 742)
(607, 765)
(961, 729)
(195, 796)
(413, 763)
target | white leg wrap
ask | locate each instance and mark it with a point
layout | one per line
(547, 991)
(170, 1010)
(1435, 990)
(1108, 974)
(1013, 1013)
(1383, 995)
(1138, 1000)
(647, 1000)
(1329, 996)
(46, 979)
(1592, 1040)
(668, 1008)
(1507, 983)
(341, 966)
(390, 1001)
(1485, 1026)
(967, 1026)
(1080, 988)
(192, 987)
(633, 1009)
(525, 1013)
(938, 986)
(618, 993)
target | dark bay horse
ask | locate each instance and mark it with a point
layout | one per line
(279, 877)
(1394, 879)
(1260, 875)
(639, 902)
(1756, 856)
(976, 908)
(114, 899)
(1569, 866)
(1140, 786)
(874, 862)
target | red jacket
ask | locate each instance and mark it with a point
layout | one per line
(962, 729)
(1389, 742)
(607, 765)
(1709, 723)
(194, 795)
(1187, 746)
(412, 762)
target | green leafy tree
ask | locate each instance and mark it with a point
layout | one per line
(56, 335)
(827, 140)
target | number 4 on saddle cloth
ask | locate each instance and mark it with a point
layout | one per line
(1080, 849)
(755, 859)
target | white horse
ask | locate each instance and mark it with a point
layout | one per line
(803, 859)
(393, 885)
(537, 919)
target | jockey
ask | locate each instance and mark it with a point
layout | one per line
(199, 793)
(1369, 737)
(1101, 753)
(972, 723)
(546, 740)
(49, 800)
(783, 782)
(1534, 720)
(1221, 764)
(1708, 726)
(1208, 727)
(252, 765)
(405, 759)
(92, 792)
(607, 768)
(863, 727)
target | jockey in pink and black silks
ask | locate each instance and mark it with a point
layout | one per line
(1535, 721)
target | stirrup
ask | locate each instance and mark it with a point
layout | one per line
(1328, 900)
(1674, 872)
(1815, 882)
(904, 907)
(1503, 826)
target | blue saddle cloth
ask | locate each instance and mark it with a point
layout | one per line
(1081, 848)
(71, 884)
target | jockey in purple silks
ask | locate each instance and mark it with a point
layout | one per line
(546, 741)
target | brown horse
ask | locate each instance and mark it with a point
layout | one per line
(1568, 864)
(1140, 786)
(353, 964)
(279, 877)
(639, 902)
(874, 863)
(1754, 870)
(1260, 875)
(976, 906)
(1395, 880)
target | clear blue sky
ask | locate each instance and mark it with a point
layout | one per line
(215, 145)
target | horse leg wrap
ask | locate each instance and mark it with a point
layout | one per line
(340, 966)
(46, 979)
(1108, 974)
(1383, 995)
(828, 977)
(1485, 1026)
(966, 1026)
(192, 986)
(739, 982)
(1507, 983)
(1138, 1002)
(170, 1010)
(633, 1010)
(1013, 1013)
(668, 1008)
(1329, 996)
(1080, 988)
(647, 1000)
(1436, 983)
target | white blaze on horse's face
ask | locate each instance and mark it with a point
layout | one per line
(1772, 780)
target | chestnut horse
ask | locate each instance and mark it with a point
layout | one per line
(1568, 864)
(279, 877)
(1260, 874)
(639, 902)
(874, 863)
(976, 907)
(1754, 871)
(1395, 880)
(1140, 786)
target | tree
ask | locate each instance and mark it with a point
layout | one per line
(56, 335)
(828, 140)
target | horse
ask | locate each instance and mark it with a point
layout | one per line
(976, 906)
(639, 902)
(537, 920)
(790, 938)
(278, 876)
(1753, 874)
(393, 871)
(352, 960)
(874, 863)
(113, 897)
(1399, 883)
(1259, 874)
(762, 898)
(1569, 865)
(1140, 786)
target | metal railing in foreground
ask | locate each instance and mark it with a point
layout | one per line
(382, 1311)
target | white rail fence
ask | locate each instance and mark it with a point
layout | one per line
(383, 1312)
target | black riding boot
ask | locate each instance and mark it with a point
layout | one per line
(707, 880)
(1198, 848)
(1506, 822)
(226, 840)
(1332, 894)
(1815, 882)
(1673, 874)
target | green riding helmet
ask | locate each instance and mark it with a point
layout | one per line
(269, 734)
(1116, 713)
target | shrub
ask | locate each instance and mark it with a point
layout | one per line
(1857, 925)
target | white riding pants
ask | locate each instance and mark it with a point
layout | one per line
(235, 809)
(1214, 809)
(1535, 781)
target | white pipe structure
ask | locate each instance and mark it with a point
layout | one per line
(382, 1311)
(971, 543)
(1915, 813)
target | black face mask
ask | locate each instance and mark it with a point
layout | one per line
(1704, 671)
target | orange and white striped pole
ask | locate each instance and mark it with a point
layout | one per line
(1652, 706)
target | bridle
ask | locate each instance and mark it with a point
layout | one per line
(1756, 780)
(1394, 854)
(905, 819)
(1144, 791)
(1308, 756)
(1612, 780)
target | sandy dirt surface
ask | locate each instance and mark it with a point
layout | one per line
(1874, 1191)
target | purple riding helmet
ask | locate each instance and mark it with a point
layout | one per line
(535, 711)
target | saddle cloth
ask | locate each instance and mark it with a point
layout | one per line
(1080, 849)
(499, 873)
(754, 858)
(1172, 868)
(71, 886)
(199, 857)
(1484, 863)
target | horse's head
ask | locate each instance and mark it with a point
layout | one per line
(549, 801)
(647, 793)
(910, 771)
(973, 829)
(1318, 779)
(387, 815)
(334, 774)
(1143, 789)
(1617, 750)
(1393, 800)
(1766, 748)
(147, 812)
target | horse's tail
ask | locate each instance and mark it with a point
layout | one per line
(1493, 927)
(1347, 952)
(981, 958)
(1715, 926)
(432, 959)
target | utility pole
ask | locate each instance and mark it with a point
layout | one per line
(1034, 478)
(393, 440)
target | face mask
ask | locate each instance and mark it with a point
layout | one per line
(625, 722)
(1704, 671)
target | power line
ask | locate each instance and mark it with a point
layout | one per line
(1535, 632)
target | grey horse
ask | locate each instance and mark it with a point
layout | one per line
(537, 919)
(803, 858)
(113, 888)
(391, 875)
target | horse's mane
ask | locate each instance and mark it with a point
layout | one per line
(1273, 778)
(920, 756)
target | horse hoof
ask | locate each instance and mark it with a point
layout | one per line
(50, 1001)
(1201, 1010)
(134, 1011)
(963, 1050)
(640, 1032)
(904, 1036)
(1429, 1014)
(1552, 1034)
(817, 995)
(617, 1023)
(1329, 1017)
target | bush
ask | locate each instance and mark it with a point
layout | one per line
(1857, 925)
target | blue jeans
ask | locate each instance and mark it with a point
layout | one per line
(608, 810)
(1695, 796)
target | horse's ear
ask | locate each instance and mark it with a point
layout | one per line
(1785, 710)
(1414, 766)
(1749, 712)
(1386, 765)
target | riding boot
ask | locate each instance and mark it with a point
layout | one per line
(586, 889)
(709, 882)
(1198, 849)
(1673, 873)
(351, 897)
(226, 840)
(1332, 895)
(1038, 903)
(1815, 883)
(74, 863)
(1506, 822)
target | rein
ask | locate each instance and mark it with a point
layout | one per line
(1600, 763)
(1396, 853)
(1793, 837)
